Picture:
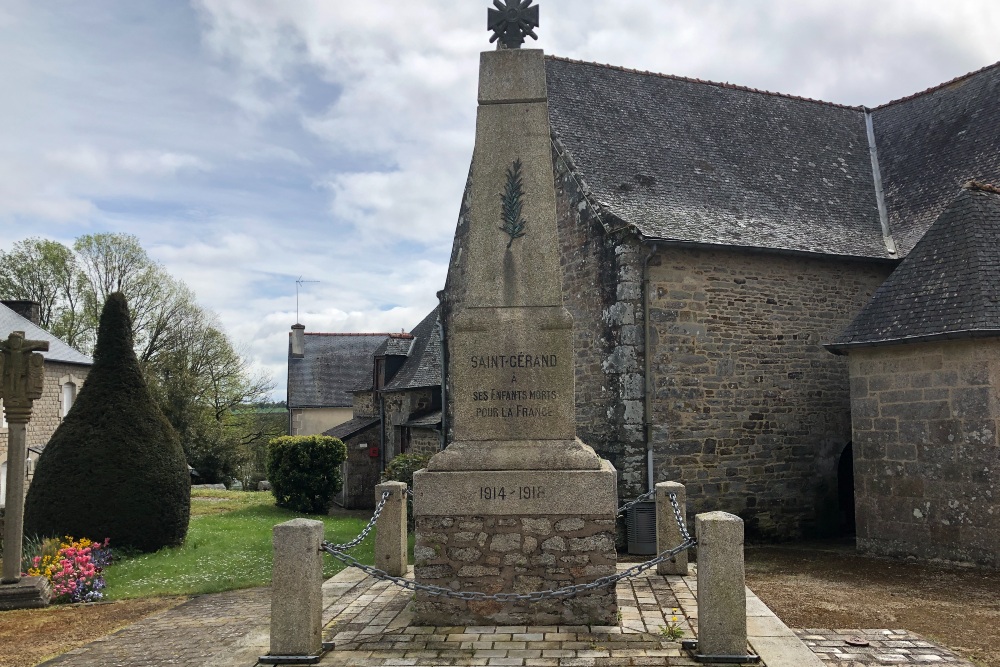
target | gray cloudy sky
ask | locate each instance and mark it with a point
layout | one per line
(250, 142)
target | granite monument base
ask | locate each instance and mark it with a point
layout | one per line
(515, 531)
(28, 593)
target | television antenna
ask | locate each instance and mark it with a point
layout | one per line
(299, 282)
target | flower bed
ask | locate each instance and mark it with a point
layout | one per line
(74, 568)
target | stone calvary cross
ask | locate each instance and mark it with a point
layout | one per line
(22, 376)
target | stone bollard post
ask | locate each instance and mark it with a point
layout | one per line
(668, 533)
(390, 530)
(722, 603)
(297, 593)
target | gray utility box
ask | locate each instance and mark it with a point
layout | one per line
(641, 522)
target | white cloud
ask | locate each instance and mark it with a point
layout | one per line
(249, 142)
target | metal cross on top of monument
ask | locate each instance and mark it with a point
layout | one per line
(511, 21)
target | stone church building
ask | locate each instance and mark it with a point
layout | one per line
(721, 248)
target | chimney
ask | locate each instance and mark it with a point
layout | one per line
(298, 340)
(29, 310)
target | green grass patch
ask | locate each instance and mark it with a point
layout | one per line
(228, 546)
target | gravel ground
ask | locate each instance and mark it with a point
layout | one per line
(828, 585)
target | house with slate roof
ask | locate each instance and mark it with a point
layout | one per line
(66, 370)
(324, 369)
(397, 411)
(714, 238)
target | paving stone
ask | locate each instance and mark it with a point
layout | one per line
(371, 626)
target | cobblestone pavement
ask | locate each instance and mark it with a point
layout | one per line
(885, 647)
(371, 627)
(219, 630)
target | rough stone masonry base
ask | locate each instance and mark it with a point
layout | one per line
(515, 532)
(518, 554)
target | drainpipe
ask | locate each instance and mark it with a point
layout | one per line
(381, 430)
(647, 417)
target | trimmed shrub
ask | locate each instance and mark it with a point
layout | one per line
(304, 471)
(114, 468)
(401, 469)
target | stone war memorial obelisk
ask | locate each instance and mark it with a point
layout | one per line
(515, 503)
(21, 378)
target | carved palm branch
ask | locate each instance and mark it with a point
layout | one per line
(511, 204)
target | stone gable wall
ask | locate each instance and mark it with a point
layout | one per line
(602, 274)
(749, 410)
(926, 449)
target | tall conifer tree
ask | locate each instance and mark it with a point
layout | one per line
(114, 467)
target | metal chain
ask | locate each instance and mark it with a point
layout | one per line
(624, 508)
(681, 524)
(326, 546)
(566, 591)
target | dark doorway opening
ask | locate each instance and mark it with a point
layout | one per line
(845, 489)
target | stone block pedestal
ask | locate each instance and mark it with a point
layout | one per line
(515, 532)
(28, 593)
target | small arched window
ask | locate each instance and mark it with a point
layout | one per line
(68, 397)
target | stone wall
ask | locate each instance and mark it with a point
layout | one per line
(602, 274)
(749, 411)
(517, 554)
(401, 407)
(425, 441)
(363, 403)
(926, 450)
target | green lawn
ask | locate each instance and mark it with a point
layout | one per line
(228, 546)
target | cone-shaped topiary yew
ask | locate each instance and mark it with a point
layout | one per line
(114, 467)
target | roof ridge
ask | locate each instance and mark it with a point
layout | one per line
(939, 86)
(720, 84)
(321, 333)
(983, 187)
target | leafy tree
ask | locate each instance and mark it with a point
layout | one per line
(196, 375)
(304, 471)
(47, 272)
(114, 467)
(204, 385)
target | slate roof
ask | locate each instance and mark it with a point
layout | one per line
(350, 427)
(695, 161)
(58, 350)
(398, 344)
(332, 366)
(948, 286)
(422, 367)
(930, 143)
(430, 420)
